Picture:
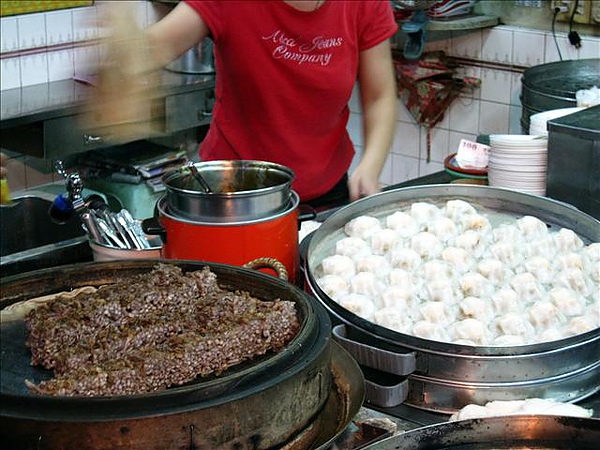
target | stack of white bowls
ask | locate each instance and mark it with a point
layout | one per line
(519, 162)
(537, 122)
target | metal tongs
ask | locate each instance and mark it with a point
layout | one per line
(198, 177)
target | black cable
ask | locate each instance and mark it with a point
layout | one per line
(571, 20)
(556, 11)
(573, 36)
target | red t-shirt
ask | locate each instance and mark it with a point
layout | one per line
(284, 78)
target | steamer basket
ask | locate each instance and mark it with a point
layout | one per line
(442, 376)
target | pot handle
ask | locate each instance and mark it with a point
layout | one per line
(268, 263)
(306, 212)
(376, 358)
(384, 391)
(152, 227)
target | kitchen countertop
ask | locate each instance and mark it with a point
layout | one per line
(45, 101)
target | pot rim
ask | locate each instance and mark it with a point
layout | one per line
(174, 174)
(292, 206)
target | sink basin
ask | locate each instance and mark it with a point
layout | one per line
(30, 240)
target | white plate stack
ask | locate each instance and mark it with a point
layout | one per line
(518, 161)
(537, 122)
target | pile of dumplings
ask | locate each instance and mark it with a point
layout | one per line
(445, 273)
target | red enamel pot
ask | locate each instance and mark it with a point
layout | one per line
(240, 243)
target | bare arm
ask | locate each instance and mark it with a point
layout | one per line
(378, 98)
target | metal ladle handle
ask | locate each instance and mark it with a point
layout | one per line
(198, 177)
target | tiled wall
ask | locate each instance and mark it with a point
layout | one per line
(495, 108)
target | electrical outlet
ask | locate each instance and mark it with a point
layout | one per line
(582, 13)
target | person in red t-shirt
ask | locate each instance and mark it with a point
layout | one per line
(285, 71)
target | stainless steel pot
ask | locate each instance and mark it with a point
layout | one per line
(242, 190)
(232, 410)
(442, 376)
(512, 432)
(197, 60)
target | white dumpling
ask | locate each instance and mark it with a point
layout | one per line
(443, 228)
(358, 304)
(402, 298)
(362, 226)
(338, 265)
(435, 269)
(403, 223)
(473, 284)
(405, 258)
(567, 240)
(475, 222)
(567, 301)
(352, 247)
(424, 212)
(505, 301)
(550, 334)
(544, 247)
(455, 209)
(508, 340)
(592, 252)
(493, 270)
(476, 308)
(437, 312)
(401, 278)
(540, 267)
(527, 287)
(366, 283)
(429, 330)
(458, 258)
(543, 314)
(574, 279)
(383, 241)
(377, 264)
(571, 260)
(580, 325)
(532, 227)
(514, 324)
(426, 244)
(471, 241)
(440, 290)
(393, 319)
(334, 286)
(507, 233)
(506, 252)
(472, 330)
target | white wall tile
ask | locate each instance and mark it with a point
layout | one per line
(590, 47)
(85, 24)
(59, 27)
(406, 139)
(516, 88)
(9, 34)
(404, 114)
(439, 144)
(60, 65)
(387, 173)
(354, 102)
(34, 69)
(466, 45)
(494, 118)
(496, 85)
(426, 168)
(355, 129)
(10, 75)
(528, 47)
(567, 51)
(497, 45)
(32, 31)
(514, 120)
(85, 60)
(464, 115)
(404, 168)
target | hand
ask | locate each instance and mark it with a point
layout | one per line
(363, 182)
